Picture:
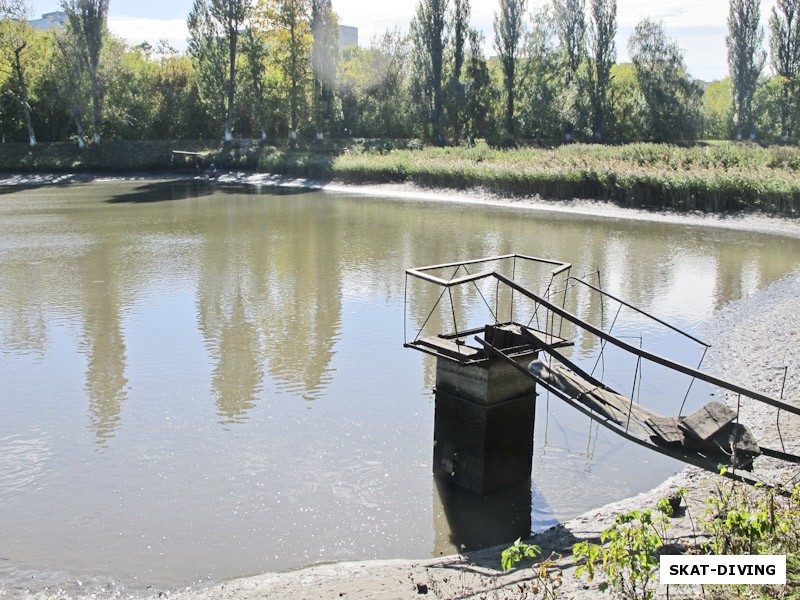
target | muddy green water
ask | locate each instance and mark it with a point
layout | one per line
(200, 383)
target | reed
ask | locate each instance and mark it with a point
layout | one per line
(720, 178)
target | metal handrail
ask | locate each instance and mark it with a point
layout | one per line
(420, 272)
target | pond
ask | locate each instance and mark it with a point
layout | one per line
(202, 382)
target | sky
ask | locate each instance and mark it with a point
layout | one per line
(699, 26)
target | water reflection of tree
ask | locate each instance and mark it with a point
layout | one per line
(238, 374)
(226, 303)
(27, 329)
(269, 297)
(302, 299)
(103, 340)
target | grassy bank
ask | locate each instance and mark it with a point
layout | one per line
(719, 178)
(713, 179)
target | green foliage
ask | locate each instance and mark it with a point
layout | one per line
(757, 521)
(508, 31)
(718, 110)
(672, 98)
(629, 555)
(518, 552)
(547, 575)
(745, 60)
(428, 39)
(374, 87)
(539, 111)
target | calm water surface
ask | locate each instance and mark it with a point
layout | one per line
(202, 383)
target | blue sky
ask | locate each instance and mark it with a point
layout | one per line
(699, 26)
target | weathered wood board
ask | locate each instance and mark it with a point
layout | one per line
(666, 429)
(708, 420)
(451, 348)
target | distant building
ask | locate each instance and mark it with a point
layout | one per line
(49, 20)
(348, 36)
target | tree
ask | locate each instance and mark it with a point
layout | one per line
(214, 27)
(324, 59)
(745, 60)
(179, 110)
(479, 93)
(628, 113)
(71, 80)
(15, 38)
(539, 113)
(571, 28)
(784, 44)
(570, 21)
(457, 98)
(293, 42)
(602, 56)
(374, 88)
(718, 110)
(428, 42)
(256, 52)
(131, 91)
(508, 31)
(672, 98)
(87, 20)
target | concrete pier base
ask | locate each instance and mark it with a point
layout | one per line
(483, 426)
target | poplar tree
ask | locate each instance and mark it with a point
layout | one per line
(428, 39)
(478, 89)
(293, 45)
(87, 20)
(324, 59)
(508, 32)
(784, 44)
(570, 18)
(256, 51)
(540, 71)
(570, 21)
(67, 62)
(745, 60)
(602, 56)
(214, 27)
(457, 95)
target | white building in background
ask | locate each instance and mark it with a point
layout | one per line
(348, 36)
(49, 20)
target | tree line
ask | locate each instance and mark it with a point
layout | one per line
(275, 71)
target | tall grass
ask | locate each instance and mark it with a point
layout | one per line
(723, 178)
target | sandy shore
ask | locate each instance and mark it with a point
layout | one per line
(753, 340)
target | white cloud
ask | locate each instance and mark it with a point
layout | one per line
(136, 30)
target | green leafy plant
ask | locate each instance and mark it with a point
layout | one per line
(628, 556)
(546, 580)
(518, 552)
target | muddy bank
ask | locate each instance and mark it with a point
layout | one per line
(752, 343)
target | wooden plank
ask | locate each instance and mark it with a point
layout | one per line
(665, 428)
(543, 339)
(708, 420)
(607, 404)
(450, 348)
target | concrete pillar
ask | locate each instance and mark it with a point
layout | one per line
(464, 520)
(483, 427)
